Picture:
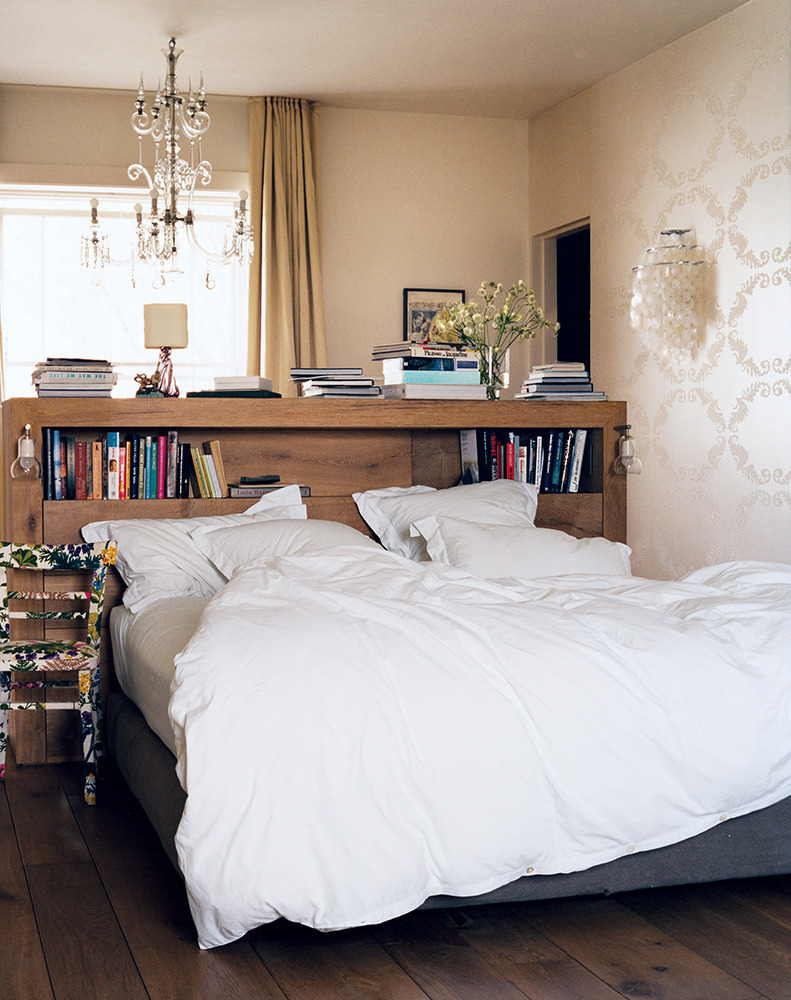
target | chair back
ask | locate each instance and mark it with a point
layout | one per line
(17, 559)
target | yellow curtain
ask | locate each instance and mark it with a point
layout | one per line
(286, 292)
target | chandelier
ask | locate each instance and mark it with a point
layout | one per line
(158, 233)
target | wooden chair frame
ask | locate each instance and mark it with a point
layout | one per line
(33, 655)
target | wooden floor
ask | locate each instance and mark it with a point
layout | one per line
(90, 907)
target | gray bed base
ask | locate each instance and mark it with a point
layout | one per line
(747, 846)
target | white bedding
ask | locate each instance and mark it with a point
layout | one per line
(144, 646)
(356, 732)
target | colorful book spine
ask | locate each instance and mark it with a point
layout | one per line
(112, 466)
(162, 462)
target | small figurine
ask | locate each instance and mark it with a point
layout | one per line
(149, 385)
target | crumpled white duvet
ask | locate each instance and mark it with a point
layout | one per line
(356, 732)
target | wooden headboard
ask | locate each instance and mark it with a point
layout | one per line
(335, 447)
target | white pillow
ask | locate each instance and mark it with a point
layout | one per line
(391, 511)
(157, 558)
(229, 548)
(494, 551)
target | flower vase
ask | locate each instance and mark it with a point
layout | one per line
(495, 368)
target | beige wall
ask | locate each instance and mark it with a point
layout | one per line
(696, 135)
(420, 201)
(61, 135)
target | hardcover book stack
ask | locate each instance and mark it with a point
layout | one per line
(74, 377)
(412, 370)
(334, 382)
(560, 380)
(238, 387)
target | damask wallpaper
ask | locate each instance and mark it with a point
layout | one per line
(695, 136)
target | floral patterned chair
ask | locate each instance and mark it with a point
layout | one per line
(58, 656)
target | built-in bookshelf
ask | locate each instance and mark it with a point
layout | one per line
(332, 447)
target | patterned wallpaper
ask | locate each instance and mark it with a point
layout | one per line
(697, 136)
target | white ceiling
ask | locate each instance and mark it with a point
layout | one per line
(499, 58)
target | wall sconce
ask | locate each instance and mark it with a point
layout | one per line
(25, 465)
(627, 463)
(667, 293)
(165, 327)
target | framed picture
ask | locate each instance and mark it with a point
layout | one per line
(421, 305)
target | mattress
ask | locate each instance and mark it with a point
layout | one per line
(149, 640)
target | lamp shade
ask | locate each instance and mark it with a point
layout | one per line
(165, 324)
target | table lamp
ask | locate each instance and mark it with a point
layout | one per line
(165, 327)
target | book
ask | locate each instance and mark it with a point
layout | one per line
(444, 363)
(242, 382)
(213, 450)
(242, 490)
(468, 446)
(97, 483)
(171, 472)
(324, 391)
(200, 484)
(112, 465)
(577, 453)
(162, 460)
(66, 376)
(80, 471)
(410, 348)
(560, 366)
(565, 462)
(413, 390)
(45, 391)
(565, 396)
(298, 374)
(333, 381)
(233, 394)
(461, 376)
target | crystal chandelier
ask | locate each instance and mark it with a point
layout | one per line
(157, 238)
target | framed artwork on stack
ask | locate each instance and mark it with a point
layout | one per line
(421, 306)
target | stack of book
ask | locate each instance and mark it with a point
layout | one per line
(242, 386)
(74, 377)
(334, 382)
(412, 370)
(559, 380)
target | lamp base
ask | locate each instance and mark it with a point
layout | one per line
(167, 380)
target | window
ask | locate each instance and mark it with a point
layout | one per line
(53, 307)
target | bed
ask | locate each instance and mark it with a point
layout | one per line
(480, 710)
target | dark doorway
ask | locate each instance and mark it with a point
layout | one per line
(574, 296)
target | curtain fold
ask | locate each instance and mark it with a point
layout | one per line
(286, 291)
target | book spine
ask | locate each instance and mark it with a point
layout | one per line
(80, 472)
(212, 479)
(171, 476)
(112, 466)
(484, 454)
(468, 445)
(260, 491)
(538, 467)
(162, 465)
(521, 463)
(123, 471)
(197, 464)
(71, 466)
(149, 465)
(96, 469)
(565, 465)
(104, 466)
(576, 460)
(213, 450)
(46, 464)
(134, 467)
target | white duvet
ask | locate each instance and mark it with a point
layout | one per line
(356, 732)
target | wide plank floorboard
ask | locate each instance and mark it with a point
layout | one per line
(90, 907)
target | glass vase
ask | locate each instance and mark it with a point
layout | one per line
(495, 368)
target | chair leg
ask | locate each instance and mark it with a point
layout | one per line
(88, 736)
(5, 696)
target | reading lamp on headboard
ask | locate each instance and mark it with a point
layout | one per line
(165, 327)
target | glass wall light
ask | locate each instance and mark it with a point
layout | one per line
(627, 463)
(668, 293)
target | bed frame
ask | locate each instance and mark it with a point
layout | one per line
(337, 447)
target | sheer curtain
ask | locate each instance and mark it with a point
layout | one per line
(286, 294)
